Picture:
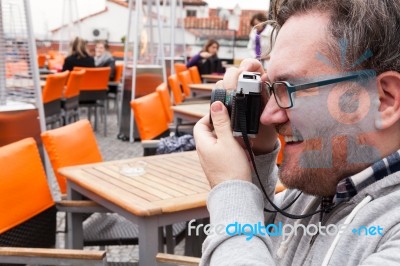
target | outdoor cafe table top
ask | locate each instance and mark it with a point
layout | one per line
(171, 183)
(202, 87)
(212, 77)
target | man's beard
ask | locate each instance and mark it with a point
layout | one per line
(325, 161)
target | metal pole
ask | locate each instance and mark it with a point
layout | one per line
(138, 8)
(173, 23)
(3, 93)
(160, 42)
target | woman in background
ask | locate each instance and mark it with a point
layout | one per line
(260, 37)
(207, 60)
(103, 57)
(78, 56)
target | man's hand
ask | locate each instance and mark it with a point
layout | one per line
(221, 156)
(265, 140)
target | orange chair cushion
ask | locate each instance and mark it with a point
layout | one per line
(54, 86)
(70, 145)
(175, 87)
(74, 83)
(195, 75)
(162, 89)
(23, 184)
(179, 67)
(95, 78)
(186, 80)
(118, 72)
(149, 116)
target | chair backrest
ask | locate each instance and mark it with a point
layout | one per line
(162, 90)
(70, 145)
(118, 72)
(42, 60)
(23, 184)
(147, 83)
(95, 78)
(179, 67)
(150, 117)
(74, 83)
(175, 87)
(186, 80)
(54, 87)
(195, 75)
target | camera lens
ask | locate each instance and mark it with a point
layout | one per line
(224, 96)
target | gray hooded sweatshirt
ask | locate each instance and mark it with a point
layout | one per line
(371, 237)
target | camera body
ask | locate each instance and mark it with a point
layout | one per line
(243, 104)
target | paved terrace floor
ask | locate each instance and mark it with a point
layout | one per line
(111, 149)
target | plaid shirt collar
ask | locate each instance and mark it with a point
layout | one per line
(350, 186)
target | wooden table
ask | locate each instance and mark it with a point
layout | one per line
(190, 112)
(173, 189)
(211, 77)
(201, 89)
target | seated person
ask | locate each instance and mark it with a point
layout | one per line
(207, 60)
(78, 56)
(103, 57)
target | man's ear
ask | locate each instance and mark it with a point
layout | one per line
(388, 84)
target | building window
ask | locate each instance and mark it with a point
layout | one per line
(191, 13)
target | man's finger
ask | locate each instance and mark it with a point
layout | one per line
(221, 121)
(251, 65)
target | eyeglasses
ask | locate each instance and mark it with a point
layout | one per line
(283, 90)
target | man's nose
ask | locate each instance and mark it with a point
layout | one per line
(273, 114)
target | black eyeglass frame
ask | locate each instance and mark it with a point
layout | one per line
(290, 89)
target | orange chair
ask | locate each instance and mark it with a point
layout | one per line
(93, 94)
(195, 75)
(179, 67)
(52, 94)
(113, 86)
(175, 87)
(118, 72)
(70, 145)
(76, 144)
(42, 60)
(149, 115)
(185, 79)
(28, 213)
(70, 101)
(162, 90)
(25, 197)
(147, 83)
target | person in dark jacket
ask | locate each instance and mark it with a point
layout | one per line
(78, 56)
(103, 57)
(207, 60)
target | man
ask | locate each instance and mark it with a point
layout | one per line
(358, 195)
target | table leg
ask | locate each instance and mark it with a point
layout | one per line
(74, 224)
(148, 241)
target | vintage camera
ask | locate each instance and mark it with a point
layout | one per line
(243, 104)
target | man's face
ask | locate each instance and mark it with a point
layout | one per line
(306, 127)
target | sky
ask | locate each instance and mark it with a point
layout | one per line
(48, 14)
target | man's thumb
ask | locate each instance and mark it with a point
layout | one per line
(220, 119)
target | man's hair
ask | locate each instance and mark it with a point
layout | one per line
(364, 25)
(261, 17)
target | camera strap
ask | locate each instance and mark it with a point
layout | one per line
(241, 104)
